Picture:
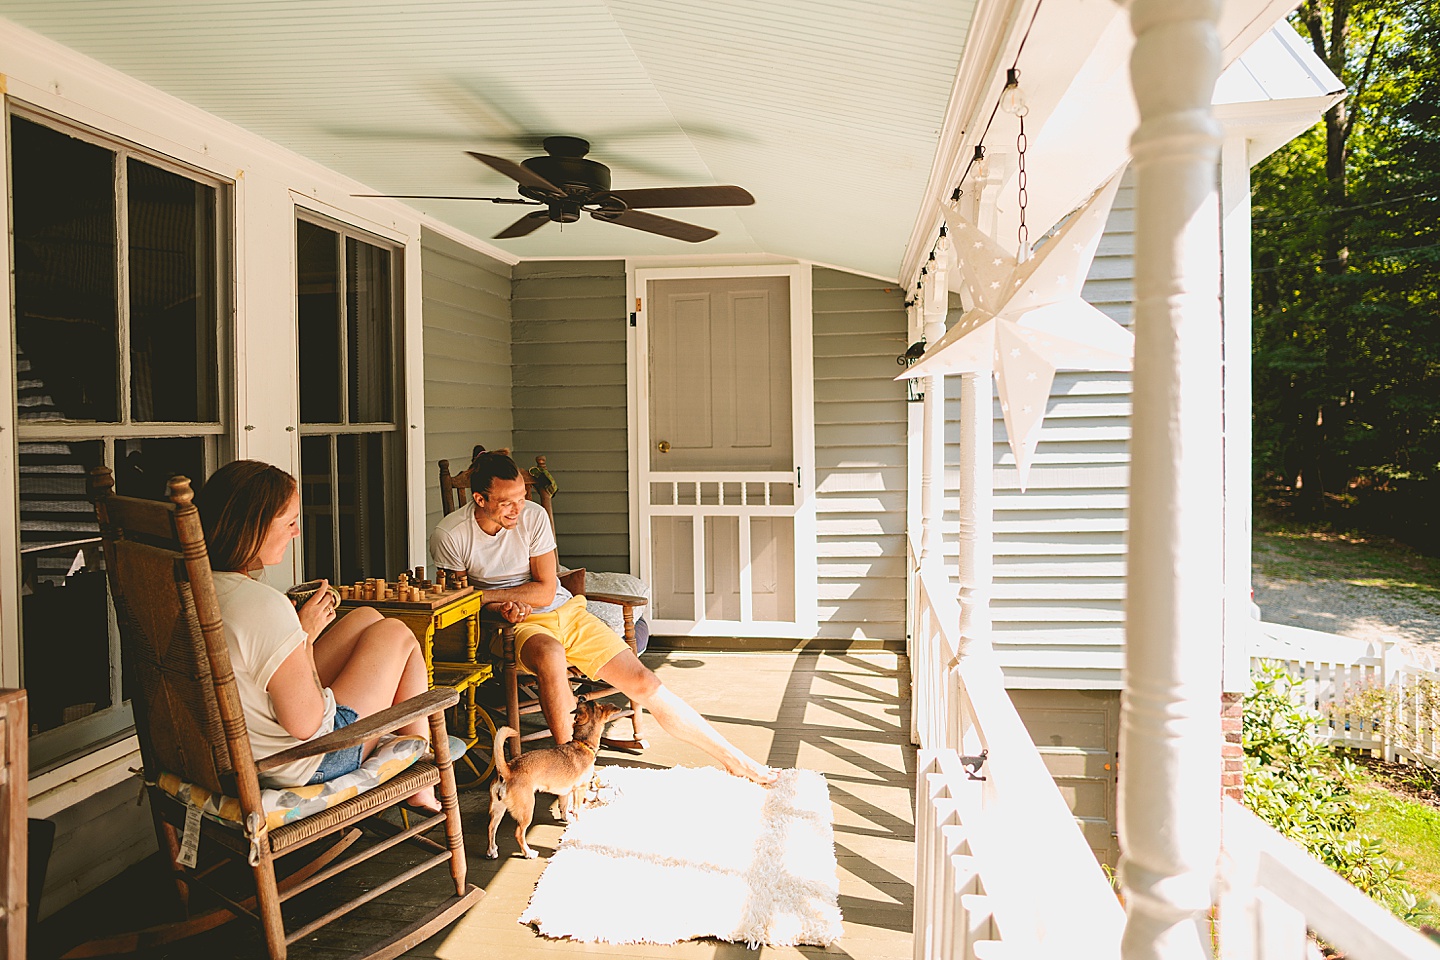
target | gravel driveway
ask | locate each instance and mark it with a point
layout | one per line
(1335, 606)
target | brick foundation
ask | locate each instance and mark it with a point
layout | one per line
(1232, 752)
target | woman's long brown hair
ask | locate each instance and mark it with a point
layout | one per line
(237, 505)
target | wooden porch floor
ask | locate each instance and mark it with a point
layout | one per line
(843, 714)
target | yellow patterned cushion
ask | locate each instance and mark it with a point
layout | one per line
(392, 755)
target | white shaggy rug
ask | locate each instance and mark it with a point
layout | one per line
(672, 855)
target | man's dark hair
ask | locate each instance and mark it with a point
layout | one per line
(489, 466)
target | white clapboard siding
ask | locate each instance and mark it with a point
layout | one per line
(860, 479)
(1059, 586)
(569, 344)
(467, 356)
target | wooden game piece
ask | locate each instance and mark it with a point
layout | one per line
(419, 574)
(403, 580)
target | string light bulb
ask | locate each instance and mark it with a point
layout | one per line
(1012, 100)
(979, 163)
(943, 244)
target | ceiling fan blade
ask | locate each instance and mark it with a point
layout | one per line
(722, 196)
(650, 223)
(521, 175)
(526, 225)
(429, 196)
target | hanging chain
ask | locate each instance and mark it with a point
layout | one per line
(1020, 144)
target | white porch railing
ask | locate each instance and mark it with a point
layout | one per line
(1003, 871)
(1001, 867)
(1386, 702)
(1273, 894)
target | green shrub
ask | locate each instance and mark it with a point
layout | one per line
(1295, 783)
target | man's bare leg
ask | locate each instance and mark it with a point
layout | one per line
(543, 656)
(627, 674)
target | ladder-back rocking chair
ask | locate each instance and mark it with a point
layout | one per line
(192, 730)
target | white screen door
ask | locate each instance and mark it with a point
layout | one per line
(722, 475)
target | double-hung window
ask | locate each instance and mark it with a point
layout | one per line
(121, 299)
(351, 445)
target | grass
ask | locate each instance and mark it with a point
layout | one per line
(1404, 815)
(1286, 549)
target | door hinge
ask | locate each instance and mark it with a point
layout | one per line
(632, 319)
(797, 476)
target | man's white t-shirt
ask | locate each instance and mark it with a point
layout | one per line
(502, 560)
(262, 629)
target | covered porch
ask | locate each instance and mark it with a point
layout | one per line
(537, 341)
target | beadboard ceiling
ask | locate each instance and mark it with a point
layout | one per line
(828, 111)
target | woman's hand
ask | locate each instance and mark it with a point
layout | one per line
(318, 612)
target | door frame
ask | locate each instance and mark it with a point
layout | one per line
(802, 413)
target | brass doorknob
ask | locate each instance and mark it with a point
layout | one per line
(663, 446)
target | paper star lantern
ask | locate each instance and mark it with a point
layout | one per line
(1028, 319)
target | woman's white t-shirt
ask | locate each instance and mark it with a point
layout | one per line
(262, 629)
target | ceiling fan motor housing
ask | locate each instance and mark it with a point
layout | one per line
(577, 176)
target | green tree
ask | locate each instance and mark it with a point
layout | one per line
(1346, 335)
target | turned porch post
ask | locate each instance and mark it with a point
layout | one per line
(932, 442)
(974, 499)
(1170, 724)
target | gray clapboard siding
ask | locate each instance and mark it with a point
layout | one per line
(860, 478)
(466, 328)
(570, 400)
(1059, 588)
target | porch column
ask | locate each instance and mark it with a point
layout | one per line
(932, 455)
(1170, 725)
(975, 501)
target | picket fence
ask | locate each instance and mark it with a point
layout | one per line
(1386, 702)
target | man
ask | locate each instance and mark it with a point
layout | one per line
(507, 548)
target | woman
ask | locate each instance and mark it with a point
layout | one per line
(297, 679)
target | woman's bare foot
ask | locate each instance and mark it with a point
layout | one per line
(424, 800)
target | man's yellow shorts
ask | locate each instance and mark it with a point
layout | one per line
(588, 641)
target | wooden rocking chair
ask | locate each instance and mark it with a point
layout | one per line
(191, 728)
(523, 698)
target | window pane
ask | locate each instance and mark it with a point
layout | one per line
(66, 662)
(63, 209)
(318, 266)
(144, 467)
(317, 517)
(369, 306)
(362, 506)
(173, 313)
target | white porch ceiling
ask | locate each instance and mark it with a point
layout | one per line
(828, 111)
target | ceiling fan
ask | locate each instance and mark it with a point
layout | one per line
(566, 184)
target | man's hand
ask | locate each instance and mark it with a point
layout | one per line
(512, 610)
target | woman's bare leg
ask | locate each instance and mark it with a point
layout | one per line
(384, 667)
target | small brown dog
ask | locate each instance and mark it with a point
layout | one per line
(561, 770)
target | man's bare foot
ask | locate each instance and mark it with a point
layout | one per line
(743, 766)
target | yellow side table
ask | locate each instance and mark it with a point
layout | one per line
(425, 618)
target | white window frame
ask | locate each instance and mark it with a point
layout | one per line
(218, 436)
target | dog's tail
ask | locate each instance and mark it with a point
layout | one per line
(501, 735)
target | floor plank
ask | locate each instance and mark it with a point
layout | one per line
(844, 714)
